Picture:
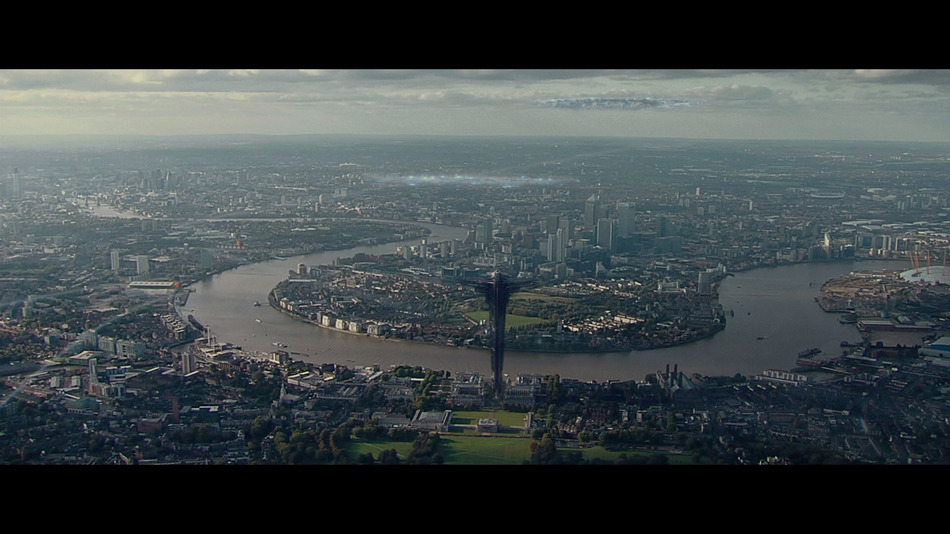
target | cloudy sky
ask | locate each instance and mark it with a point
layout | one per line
(893, 105)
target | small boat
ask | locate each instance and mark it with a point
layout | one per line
(760, 338)
(257, 303)
(258, 320)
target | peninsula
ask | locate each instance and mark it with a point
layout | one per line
(385, 296)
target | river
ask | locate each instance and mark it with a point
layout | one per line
(775, 317)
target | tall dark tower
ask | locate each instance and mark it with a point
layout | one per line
(497, 292)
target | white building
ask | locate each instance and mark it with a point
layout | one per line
(786, 377)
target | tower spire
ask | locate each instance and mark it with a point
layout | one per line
(497, 291)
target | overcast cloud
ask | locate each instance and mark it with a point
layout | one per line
(896, 105)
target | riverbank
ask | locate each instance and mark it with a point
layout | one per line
(432, 336)
(272, 302)
(359, 327)
(775, 317)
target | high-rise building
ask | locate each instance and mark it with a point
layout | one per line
(556, 246)
(566, 224)
(626, 218)
(592, 210)
(497, 292)
(561, 244)
(141, 264)
(15, 190)
(187, 362)
(607, 233)
(483, 233)
(115, 260)
(705, 283)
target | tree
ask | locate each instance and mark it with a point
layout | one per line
(544, 452)
(425, 450)
(554, 383)
(389, 457)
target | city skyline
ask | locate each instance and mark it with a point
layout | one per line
(270, 301)
(873, 105)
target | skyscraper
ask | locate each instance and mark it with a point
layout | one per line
(483, 233)
(592, 210)
(607, 233)
(556, 249)
(567, 225)
(497, 292)
(626, 218)
(14, 187)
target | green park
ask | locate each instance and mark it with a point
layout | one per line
(509, 446)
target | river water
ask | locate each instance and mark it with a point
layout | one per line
(775, 316)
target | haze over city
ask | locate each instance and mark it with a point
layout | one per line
(474, 267)
(891, 105)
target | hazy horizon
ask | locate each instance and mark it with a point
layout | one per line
(846, 105)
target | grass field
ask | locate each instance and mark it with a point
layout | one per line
(523, 297)
(505, 418)
(358, 447)
(512, 448)
(459, 449)
(511, 321)
(603, 454)
(475, 450)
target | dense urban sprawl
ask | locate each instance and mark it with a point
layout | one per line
(624, 241)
